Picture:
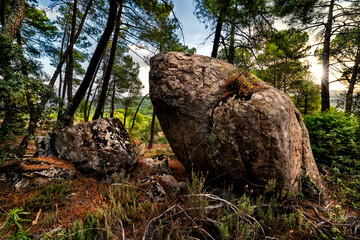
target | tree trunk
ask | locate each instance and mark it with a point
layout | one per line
(285, 73)
(231, 56)
(91, 103)
(70, 111)
(217, 36)
(353, 80)
(13, 21)
(152, 131)
(137, 109)
(3, 12)
(34, 114)
(102, 97)
(87, 113)
(306, 102)
(61, 53)
(113, 101)
(325, 92)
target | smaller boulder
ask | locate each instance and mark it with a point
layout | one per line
(158, 164)
(140, 148)
(153, 190)
(102, 145)
(27, 174)
(170, 184)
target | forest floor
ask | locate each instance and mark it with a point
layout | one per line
(62, 207)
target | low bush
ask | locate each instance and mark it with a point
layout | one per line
(333, 135)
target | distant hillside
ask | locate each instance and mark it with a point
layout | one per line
(146, 106)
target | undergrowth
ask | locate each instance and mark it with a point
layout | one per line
(126, 213)
(47, 197)
(335, 140)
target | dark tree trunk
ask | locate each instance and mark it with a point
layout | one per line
(3, 12)
(137, 110)
(353, 80)
(34, 114)
(285, 73)
(274, 80)
(306, 102)
(91, 103)
(61, 53)
(70, 111)
(217, 36)
(102, 97)
(152, 131)
(19, 38)
(113, 101)
(231, 56)
(86, 112)
(325, 92)
(125, 115)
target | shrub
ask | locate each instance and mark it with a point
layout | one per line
(333, 135)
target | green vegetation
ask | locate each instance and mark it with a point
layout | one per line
(334, 135)
(127, 211)
(100, 34)
(335, 140)
(47, 197)
(15, 218)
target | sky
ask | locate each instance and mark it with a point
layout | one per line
(194, 36)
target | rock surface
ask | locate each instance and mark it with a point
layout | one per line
(100, 145)
(43, 146)
(245, 131)
(29, 173)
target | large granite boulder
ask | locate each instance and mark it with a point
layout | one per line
(99, 146)
(231, 125)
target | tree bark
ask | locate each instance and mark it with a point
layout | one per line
(353, 80)
(86, 112)
(152, 131)
(231, 57)
(325, 93)
(70, 110)
(137, 110)
(13, 21)
(217, 36)
(102, 97)
(113, 101)
(3, 12)
(306, 102)
(285, 73)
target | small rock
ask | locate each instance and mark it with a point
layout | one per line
(140, 148)
(157, 165)
(154, 191)
(27, 174)
(170, 184)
